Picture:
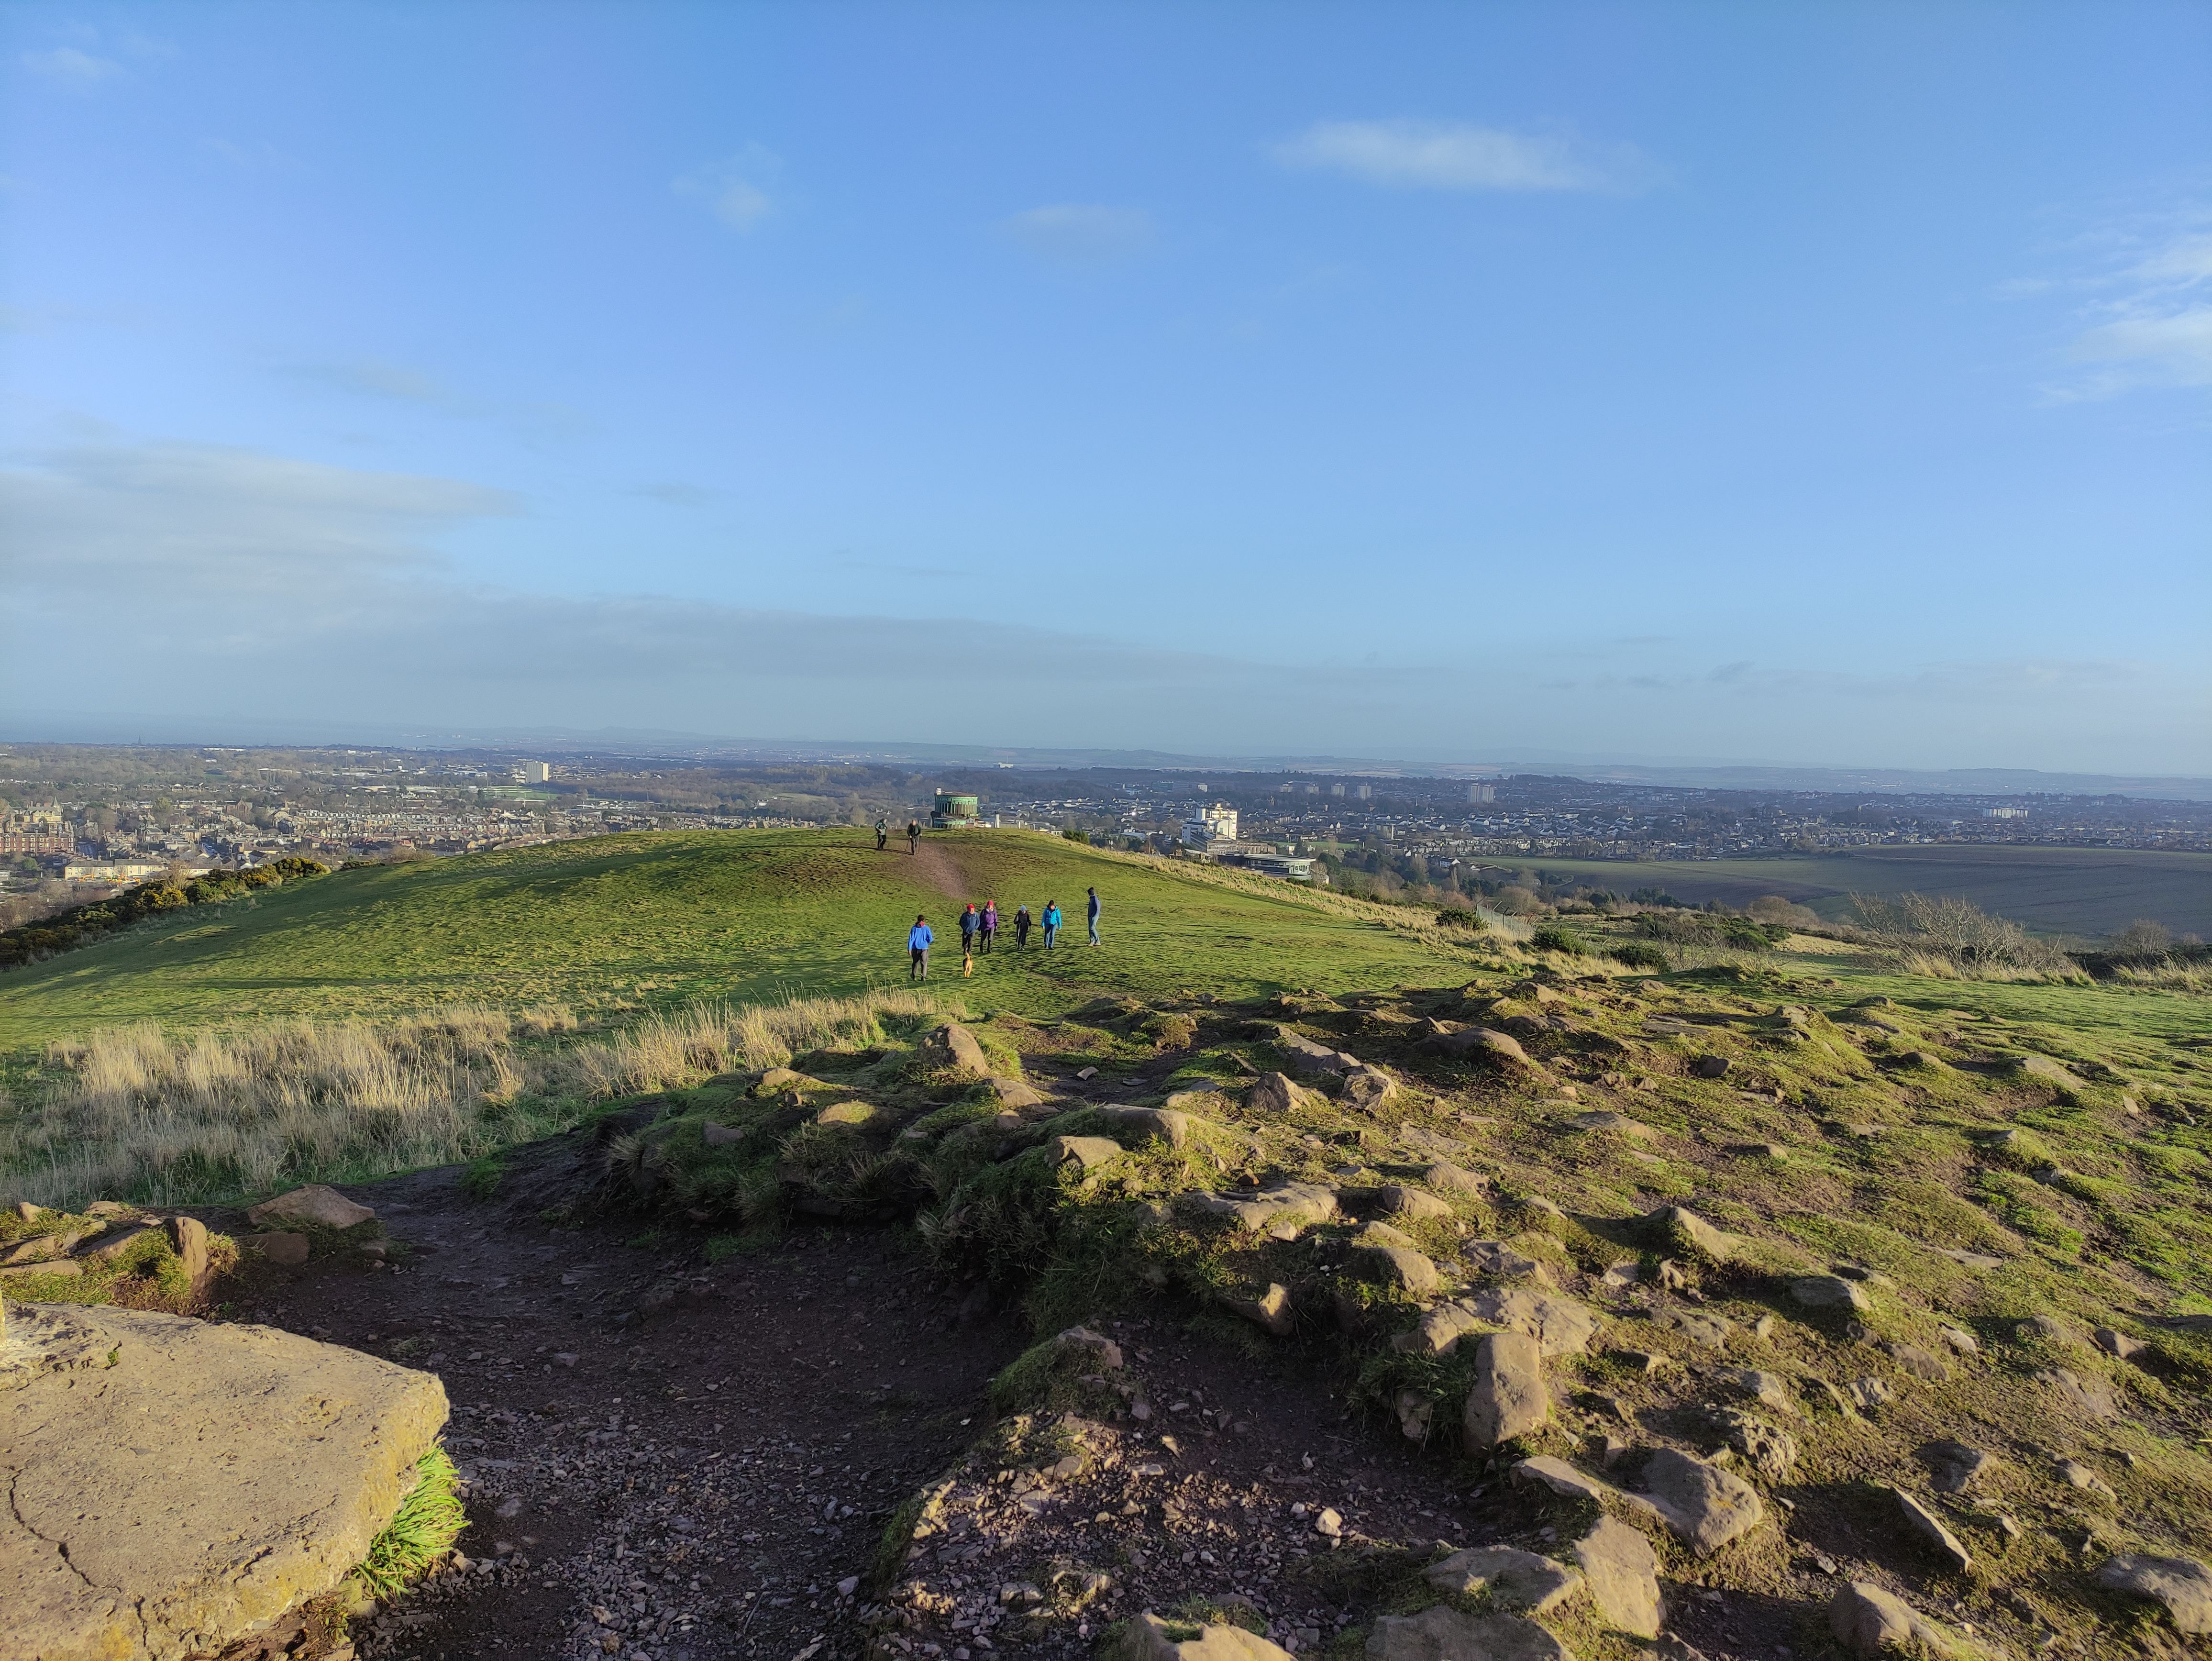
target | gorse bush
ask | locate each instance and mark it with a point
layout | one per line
(83, 923)
(1551, 937)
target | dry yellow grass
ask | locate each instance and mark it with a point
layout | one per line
(135, 1112)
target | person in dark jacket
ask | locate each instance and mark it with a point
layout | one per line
(912, 837)
(882, 834)
(919, 939)
(1091, 916)
(1022, 927)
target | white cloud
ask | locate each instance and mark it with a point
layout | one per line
(71, 65)
(1081, 233)
(1455, 156)
(736, 190)
(2144, 318)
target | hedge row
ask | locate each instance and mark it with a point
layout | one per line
(83, 924)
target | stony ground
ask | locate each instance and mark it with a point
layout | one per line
(1869, 1319)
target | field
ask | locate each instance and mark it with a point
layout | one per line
(2053, 890)
(656, 919)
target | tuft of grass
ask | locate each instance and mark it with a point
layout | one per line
(481, 1178)
(422, 1530)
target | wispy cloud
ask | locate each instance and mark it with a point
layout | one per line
(536, 423)
(2144, 316)
(1443, 155)
(72, 66)
(736, 190)
(674, 493)
(1081, 233)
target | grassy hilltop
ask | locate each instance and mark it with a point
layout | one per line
(655, 920)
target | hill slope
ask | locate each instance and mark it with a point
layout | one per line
(661, 918)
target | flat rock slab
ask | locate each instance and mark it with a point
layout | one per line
(176, 1483)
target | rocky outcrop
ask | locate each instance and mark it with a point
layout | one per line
(1508, 1398)
(1872, 1623)
(325, 1207)
(112, 1548)
(952, 1049)
(2182, 1586)
(1519, 1581)
(1444, 1633)
(1147, 1638)
(1622, 1572)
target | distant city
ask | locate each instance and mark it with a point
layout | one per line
(100, 816)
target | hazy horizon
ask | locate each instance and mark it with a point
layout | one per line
(1817, 388)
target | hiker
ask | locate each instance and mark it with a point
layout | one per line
(1051, 922)
(970, 921)
(1022, 928)
(1091, 916)
(912, 837)
(989, 927)
(883, 834)
(918, 942)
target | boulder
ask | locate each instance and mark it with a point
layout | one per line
(1270, 1310)
(1519, 1581)
(1501, 1262)
(68, 1269)
(2117, 1343)
(1683, 1229)
(1622, 1572)
(781, 1078)
(1272, 1095)
(1710, 1067)
(1368, 1087)
(1560, 1324)
(1451, 1179)
(1508, 1398)
(1381, 1233)
(1264, 1208)
(848, 1113)
(1830, 1291)
(1769, 1390)
(188, 1238)
(719, 1135)
(326, 1208)
(1930, 1527)
(1088, 1153)
(2182, 1584)
(1487, 1046)
(290, 1249)
(1147, 1638)
(303, 1452)
(1308, 1056)
(1394, 1200)
(1162, 1122)
(952, 1049)
(1606, 1119)
(1871, 1622)
(1564, 1480)
(1394, 1265)
(1707, 1506)
(113, 1244)
(2043, 1067)
(1958, 1468)
(1097, 1349)
(1771, 1450)
(1444, 1633)
(1012, 1092)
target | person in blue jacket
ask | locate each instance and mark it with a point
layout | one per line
(918, 942)
(1051, 920)
(1091, 916)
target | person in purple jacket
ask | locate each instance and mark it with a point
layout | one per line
(990, 928)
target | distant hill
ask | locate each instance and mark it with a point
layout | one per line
(656, 918)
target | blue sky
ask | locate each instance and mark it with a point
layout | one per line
(1808, 383)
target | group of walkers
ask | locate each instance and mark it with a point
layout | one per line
(979, 932)
(913, 835)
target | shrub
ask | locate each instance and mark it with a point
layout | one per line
(1638, 954)
(1076, 833)
(1458, 916)
(1550, 937)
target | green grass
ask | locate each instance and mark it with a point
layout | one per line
(658, 919)
(423, 1529)
(2078, 890)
